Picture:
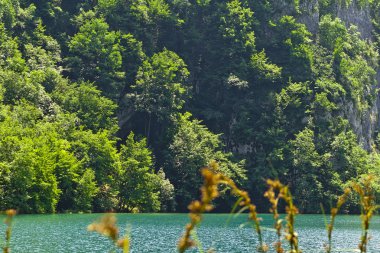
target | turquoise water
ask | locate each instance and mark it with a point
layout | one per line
(160, 233)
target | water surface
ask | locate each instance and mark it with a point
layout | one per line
(160, 233)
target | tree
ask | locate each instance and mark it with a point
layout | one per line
(96, 57)
(237, 27)
(42, 52)
(97, 152)
(151, 21)
(11, 57)
(8, 12)
(160, 87)
(295, 53)
(307, 172)
(331, 31)
(193, 147)
(86, 191)
(94, 111)
(29, 170)
(139, 186)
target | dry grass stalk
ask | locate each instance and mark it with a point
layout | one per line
(107, 227)
(291, 211)
(274, 194)
(284, 193)
(209, 192)
(334, 211)
(367, 202)
(8, 222)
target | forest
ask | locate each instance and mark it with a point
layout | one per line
(116, 105)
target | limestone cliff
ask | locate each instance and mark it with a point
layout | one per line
(310, 11)
(364, 123)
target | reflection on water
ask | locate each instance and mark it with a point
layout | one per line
(160, 233)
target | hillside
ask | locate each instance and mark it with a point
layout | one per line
(116, 105)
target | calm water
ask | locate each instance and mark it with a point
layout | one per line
(160, 233)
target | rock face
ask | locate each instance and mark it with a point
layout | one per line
(309, 14)
(351, 14)
(358, 16)
(365, 124)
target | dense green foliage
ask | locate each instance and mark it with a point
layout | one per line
(115, 105)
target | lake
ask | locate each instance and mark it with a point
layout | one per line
(160, 233)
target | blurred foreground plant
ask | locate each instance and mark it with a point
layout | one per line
(209, 192)
(276, 192)
(8, 232)
(368, 206)
(107, 227)
(334, 211)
